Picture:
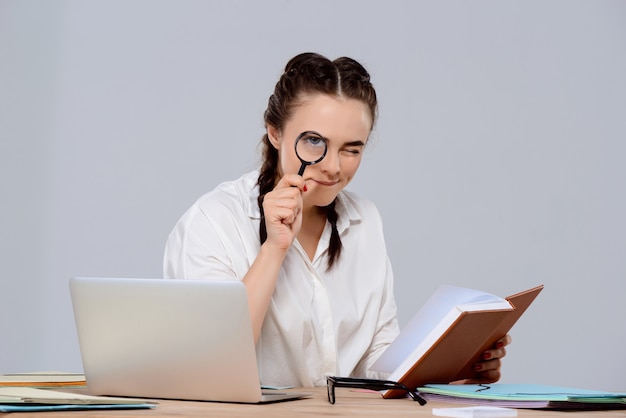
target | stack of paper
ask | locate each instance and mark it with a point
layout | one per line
(16, 399)
(526, 396)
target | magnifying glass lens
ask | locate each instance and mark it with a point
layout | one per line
(311, 147)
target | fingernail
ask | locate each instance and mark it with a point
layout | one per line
(487, 355)
(500, 344)
(305, 188)
(478, 367)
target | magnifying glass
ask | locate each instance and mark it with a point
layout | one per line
(311, 148)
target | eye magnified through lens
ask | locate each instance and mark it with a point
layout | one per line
(311, 148)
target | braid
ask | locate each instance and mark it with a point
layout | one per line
(266, 181)
(335, 245)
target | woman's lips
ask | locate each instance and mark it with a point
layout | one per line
(326, 183)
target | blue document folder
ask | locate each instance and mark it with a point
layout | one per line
(526, 396)
(65, 407)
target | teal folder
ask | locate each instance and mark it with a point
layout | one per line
(526, 396)
(42, 408)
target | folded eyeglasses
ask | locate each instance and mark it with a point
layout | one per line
(372, 384)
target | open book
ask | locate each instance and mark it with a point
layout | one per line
(448, 335)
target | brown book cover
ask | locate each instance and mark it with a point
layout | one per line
(461, 345)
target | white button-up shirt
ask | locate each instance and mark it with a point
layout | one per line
(319, 322)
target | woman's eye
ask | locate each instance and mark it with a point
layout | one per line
(314, 140)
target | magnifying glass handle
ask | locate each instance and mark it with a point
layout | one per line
(302, 167)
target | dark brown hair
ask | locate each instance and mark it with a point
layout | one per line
(308, 74)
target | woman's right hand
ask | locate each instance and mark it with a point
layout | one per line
(283, 217)
(283, 211)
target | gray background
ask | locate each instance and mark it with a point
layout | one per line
(497, 162)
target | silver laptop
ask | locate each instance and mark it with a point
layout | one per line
(170, 339)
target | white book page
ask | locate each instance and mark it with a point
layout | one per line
(432, 316)
(419, 350)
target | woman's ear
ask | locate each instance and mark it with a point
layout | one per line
(274, 136)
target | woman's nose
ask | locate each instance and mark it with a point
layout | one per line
(331, 163)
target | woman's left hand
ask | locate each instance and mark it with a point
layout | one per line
(488, 370)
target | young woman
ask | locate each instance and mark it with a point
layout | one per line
(311, 254)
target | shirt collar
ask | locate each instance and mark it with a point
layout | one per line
(252, 188)
(347, 212)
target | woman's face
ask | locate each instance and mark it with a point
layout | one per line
(345, 123)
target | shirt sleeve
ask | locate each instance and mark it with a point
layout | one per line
(195, 249)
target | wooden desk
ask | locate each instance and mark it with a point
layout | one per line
(349, 403)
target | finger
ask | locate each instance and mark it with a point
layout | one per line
(282, 202)
(484, 366)
(284, 216)
(504, 341)
(289, 192)
(494, 353)
(291, 180)
(289, 198)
